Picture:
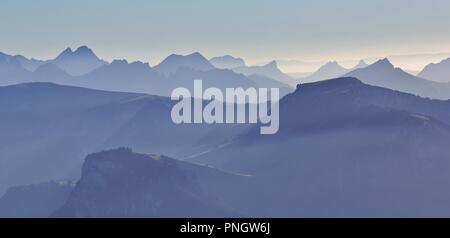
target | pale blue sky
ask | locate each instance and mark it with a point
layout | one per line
(257, 30)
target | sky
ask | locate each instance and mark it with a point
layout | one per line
(256, 30)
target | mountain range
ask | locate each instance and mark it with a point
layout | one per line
(78, 62)
(83, 68)
(372, 142)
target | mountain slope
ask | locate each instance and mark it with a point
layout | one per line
(78, 62)
(11, 71)
(361, 64)
(382, 73)
(439, 72)
(37, 200)
(269, 70)
(57, 125)
(120, 183)
(338, 153)
(27, 64)
(327, 71)
(60, 125)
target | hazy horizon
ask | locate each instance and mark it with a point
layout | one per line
(290, 30)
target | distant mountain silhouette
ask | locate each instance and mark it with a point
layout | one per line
(9, 64)
(439, 72)
(298, 67)
(50, 72)
(60, 118)
(227, 62)
(361, 64)
(37, 200)
(28, 64)
(120, 76)
(78, 62)
(120, 183)
(172, 63)
(269, 70)
(329, 70)
(11, 71)
(137, 77)
(266, 82)
(382, 73)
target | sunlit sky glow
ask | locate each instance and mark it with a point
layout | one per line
(256, 30)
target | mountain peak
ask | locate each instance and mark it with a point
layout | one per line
(227, 62)
(84, 50)
(332, 66)
(49, 69)
(272, 64)
(173, 62)
(67, 52)
(383, 63)
(78, 62)
(196, 55)
(333, 63)
(118, 62)
(438, 72)
(361, 64)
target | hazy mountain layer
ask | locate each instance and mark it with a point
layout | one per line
(37, 200)
(382, 73)
(120, 183)
(439, 72)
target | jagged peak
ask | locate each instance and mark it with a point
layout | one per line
(80, 51)
(126, 63)
(68, 50)
(332, 64)
(65, 53)
(385, 63)
(140, 63)
(119, 62)
(361, 64)
(272, 64)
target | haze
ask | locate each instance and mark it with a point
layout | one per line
(258, 31)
